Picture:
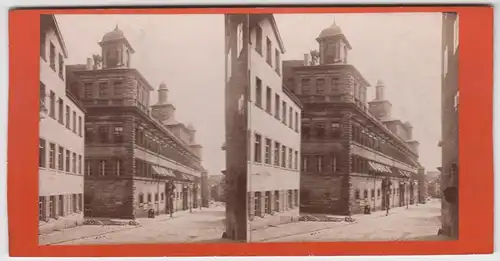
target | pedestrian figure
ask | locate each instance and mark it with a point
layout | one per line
(387, 205)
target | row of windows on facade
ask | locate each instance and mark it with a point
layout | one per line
(104, 167)
(371, 140)
(320, 131)
(143, 203)
(269, 50)
(66, 160)
(54, 206)
(104, 90)
(327, 85)
(160, 147)
(64, 116)
(280, 109)
(290, 162)
(270, 201)
(393, 191)
(321, 165)
(104, 134)
(52, 55)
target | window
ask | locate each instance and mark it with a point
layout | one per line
(103, 134)
(258, 92)
(61, 205)
(456, 32)
(290, 198)
(296, 160)
(68, 156)
(150, 198)
(356, 195)
(277, 201)
(118, 134)
(162, 196)
(290, 158)
(258, 148)
(52, 112)
(277, 106)
(304, 84)
(157, 197)
(283, 156)
(283, 118)
(445, 61)
(334, 164)
(74, 202)
(61, 111)
(79, 164)
(103, 89)
(68, 113)
(320, 130)
(455, 101)
(80, 125)
(52, 207)
(373, 193)
(89, 90)
(73, 162)
(320, 86)
(257, 204)
(334, 84)
(88, 168)
(43, 46)
(277, 61)
(41, 208)
(319, 163)
(117, 88)
(141, 198)
(305, 131)
(336, 130)
(61, 67)
(258, 39)
(102, 168)
(89, 135)
(268, 99)
(290, 115)
(60, 158)
(267, 202)
(41, 154)
(74, 121)
(42, 97)
(52, 156)
(269, 49)
(267, 156)
(296, 121)
(277, 153)
(118, 164)
(378, 193)
(239, 35)
(52, 56)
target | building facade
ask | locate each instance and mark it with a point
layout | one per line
(139, 159)
(354, 154)
(61, 150)
(274, 117)
(449, 116)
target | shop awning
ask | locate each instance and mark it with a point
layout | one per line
(379, 167)
(163, 172)
(405, 173)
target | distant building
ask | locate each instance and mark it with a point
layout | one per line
(61, 149)
(274, 117)
(449, 116)
(433, 184)
(354, 154)
(139, 158)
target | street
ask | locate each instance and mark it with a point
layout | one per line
(415, 223)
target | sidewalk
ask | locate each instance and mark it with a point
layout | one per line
(89, 231)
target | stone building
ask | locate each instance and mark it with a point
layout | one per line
(61, 149)
(449, 116)
(354, 154)
(138, 158)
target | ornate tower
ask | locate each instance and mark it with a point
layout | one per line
(380, 107)
(333, 45)
(163, 110)
(116, 50)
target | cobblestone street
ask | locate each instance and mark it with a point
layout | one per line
(202, 225)
(415, 223)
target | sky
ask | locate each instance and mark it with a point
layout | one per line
(187, 53)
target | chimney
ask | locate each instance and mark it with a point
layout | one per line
(307, 61)
(89, 64)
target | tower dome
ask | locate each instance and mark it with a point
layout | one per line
(163, 86)
(116, 34)
(333, 30)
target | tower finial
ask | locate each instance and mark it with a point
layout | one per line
(116, 28)
(334, 23)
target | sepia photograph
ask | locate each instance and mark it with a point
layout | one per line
(215, 128)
